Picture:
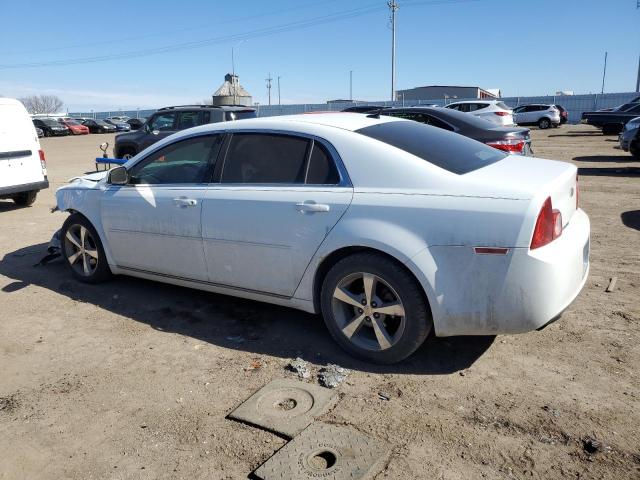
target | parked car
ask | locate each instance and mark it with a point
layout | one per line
(169, 120)
(493, 110)
(630, 137)
(50, 127)
(545, 116)
(23, 170)
(509, 139)
(118, 118)
(362, 108)
(74, 127)
(564, 114)
(120, 126)
(39, 132)
(136, 123)
(99, 126)
(387, 227)
(611, 122)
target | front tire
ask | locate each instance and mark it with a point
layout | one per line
(82, 250)
(544, 123)
(25, 199)
(374, 308)
(634, 149)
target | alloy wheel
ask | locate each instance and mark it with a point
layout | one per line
(368, 311)
(81, 250)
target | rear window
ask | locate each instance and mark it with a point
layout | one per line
(450, 151)
(503, 105)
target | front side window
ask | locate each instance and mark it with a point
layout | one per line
(265, 158)
(164, 121)
(187, 161)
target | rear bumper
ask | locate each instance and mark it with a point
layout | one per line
(519, 292)
(26, 187)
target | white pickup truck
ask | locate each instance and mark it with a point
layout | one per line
(23, 170)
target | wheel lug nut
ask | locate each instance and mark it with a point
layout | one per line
(360, 310)
(367, 319)
(376, 315)
(374, 304)
(363, 302)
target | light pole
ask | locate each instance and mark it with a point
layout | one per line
(279, 104)
(394, 7)
(233, 71)
(604, 73)
(351, 85)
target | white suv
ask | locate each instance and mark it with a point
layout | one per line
(23, 171)
(495, 111)
(545, 116)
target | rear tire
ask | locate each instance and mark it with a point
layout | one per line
(25, 199)
(634, 149)
(374, 308)
(82, 250)
(544, 123)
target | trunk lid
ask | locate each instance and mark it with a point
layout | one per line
(528, 177)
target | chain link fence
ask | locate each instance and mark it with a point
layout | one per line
(574, 104)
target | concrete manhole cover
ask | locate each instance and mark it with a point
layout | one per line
(285, 406)
(326, 451)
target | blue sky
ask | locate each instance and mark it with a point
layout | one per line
(532, 47)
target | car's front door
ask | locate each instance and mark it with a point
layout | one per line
(153, 223)
(277, 198)
(160, 126)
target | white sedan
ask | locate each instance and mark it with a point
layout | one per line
(389, 228)
(495, 111)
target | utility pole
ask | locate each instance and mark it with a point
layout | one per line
(604, 73)
(351, 83)
(279, 90)
(638, 78)
(393, 6)
(269, 87)
(233, 76)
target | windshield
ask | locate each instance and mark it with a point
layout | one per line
(447, 150)
(49, 122)
(101, 122)
(71, 122)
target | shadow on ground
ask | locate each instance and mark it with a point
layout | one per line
(603, 158)
(631, 219)
(610, 172)
(228, 321)
(577, 133)
(8, 206)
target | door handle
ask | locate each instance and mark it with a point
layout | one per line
(312, 207)
(185, 202)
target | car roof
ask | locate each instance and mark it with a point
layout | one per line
(480, 100)
(233, 108)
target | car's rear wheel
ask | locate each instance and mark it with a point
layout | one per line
(544, 123)
(374, 308)
(25, 199)
(126, 153)
(82, 250)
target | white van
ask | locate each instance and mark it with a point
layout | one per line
(23, 171)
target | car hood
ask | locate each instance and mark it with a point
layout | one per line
(90, 180)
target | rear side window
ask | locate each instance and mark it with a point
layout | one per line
(322, 170)
(188, 120)
(164, 121)
(503, 106)
(265, 158)
(450, 151)
(240, 114)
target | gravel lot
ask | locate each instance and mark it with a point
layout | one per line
(133, 379)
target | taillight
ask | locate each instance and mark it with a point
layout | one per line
(501, 114)
(43, 162)
(512, 145)
(548, 225)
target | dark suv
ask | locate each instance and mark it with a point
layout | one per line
(170, 120)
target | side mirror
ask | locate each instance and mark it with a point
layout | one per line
(155, 132)
(118, 176)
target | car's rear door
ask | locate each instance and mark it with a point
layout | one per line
(19, 148)
(153, 223)
(277, 198)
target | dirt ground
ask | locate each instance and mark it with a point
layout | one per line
(133, 379)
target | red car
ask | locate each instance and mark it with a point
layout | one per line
(74, 127)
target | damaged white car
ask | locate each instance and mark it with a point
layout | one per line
(389, 228)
